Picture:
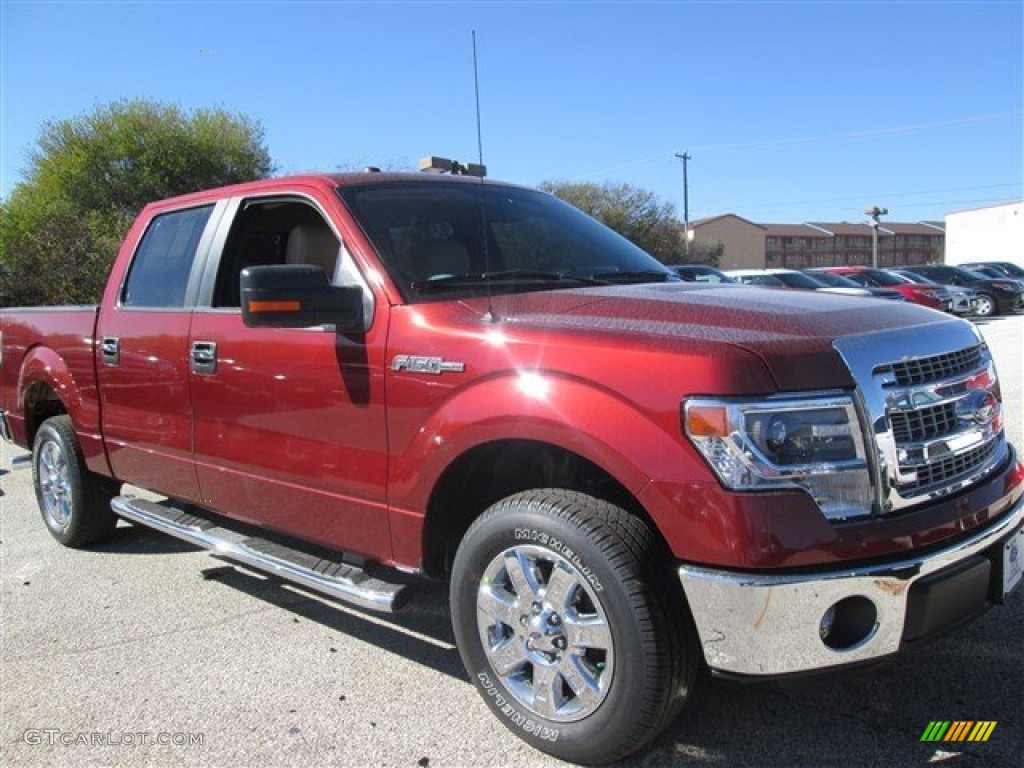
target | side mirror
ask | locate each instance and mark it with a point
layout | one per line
(299, 296)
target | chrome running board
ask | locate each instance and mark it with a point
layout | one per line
(339, 580)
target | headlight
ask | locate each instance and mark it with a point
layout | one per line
(813, 443)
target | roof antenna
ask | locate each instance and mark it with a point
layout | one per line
(476, 86)
(490, 317)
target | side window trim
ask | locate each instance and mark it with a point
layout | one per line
(204, 253)
(196, 270)
(208, 279)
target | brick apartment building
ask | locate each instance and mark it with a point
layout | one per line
(747, 245)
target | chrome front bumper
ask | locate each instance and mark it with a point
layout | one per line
(751, 624)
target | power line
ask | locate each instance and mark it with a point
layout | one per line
(856, 135)
(875, 133)
(763, 214)
(948, 190)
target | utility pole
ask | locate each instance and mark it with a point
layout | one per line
(685, 158)
(874, 212)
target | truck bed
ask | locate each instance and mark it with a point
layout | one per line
(56, 345)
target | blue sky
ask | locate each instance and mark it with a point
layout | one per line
(791, 111)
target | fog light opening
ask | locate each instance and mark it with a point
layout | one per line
(827, 622)
(849, 623)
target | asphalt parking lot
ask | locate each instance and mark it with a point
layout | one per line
(145, 651)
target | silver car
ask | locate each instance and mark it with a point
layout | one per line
(965, 300)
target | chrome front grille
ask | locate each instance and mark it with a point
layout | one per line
(930, 396)
(924, 423)
(923, 370)
(953, 466)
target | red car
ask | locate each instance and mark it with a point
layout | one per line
(929, 296)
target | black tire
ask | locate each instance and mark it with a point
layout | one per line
(74, 502)
(987, 306)
(615, 576)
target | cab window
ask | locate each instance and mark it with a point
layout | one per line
(159, 274)
(269, 232)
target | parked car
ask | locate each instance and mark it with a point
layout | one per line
(997, 274)
(1008, 268)
(965, 300)
(838, 281)
(995, 296)
(791, 278)
(933, 297)
(700, 273)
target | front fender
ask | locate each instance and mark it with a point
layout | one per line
(633, 445)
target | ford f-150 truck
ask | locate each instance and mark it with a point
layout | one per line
(346, 379)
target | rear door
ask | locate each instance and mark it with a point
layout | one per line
(142, 365)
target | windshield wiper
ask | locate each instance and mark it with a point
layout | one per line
(505, 277)
(633, 276)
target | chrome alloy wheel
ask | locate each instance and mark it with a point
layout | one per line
(545, 633)
(55, 484)
(985, 307)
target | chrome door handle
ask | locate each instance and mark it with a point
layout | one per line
(110, 350)
(204, 357)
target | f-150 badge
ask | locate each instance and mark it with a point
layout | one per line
(432, 365)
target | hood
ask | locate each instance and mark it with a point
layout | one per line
(791, 331)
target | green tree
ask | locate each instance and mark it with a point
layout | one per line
(703, 252)
(90, 175)
(634, 213)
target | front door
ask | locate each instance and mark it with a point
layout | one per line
(289, 423)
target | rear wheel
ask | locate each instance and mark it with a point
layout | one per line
(74, 502)
(571, 626)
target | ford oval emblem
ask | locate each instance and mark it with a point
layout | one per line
(979, 407)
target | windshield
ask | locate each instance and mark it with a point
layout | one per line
(1011, 269)
(799, 280)
(1006, 268)
(878, 277)
(700, 274)
(912, 277)
(761, 279)
(448, 240)
(836, 281)
(969, 275)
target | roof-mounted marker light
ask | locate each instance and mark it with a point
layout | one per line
(438, 165)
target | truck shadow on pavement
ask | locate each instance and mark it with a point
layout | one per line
(420, 632)
(128, 539)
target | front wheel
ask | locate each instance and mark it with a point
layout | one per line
(571, 626)
(74, 502)
(986, 306)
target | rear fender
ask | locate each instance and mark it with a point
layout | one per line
(43, 367)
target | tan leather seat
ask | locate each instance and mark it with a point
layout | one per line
(314, 245)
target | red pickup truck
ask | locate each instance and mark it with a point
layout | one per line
(346, 379)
